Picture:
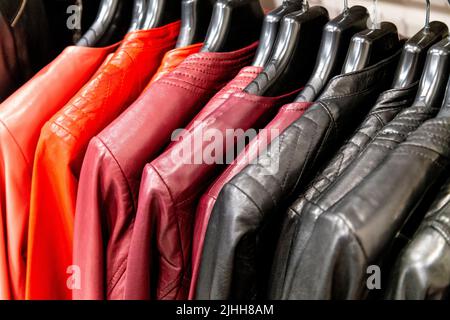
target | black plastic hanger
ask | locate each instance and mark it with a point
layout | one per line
(139, 10)
(119, 25)
(295, 53)
(435, 76)
(336, 39)
(105, 17)
(270, 29)
(161, 12)
(415, 51)
(234, 25)
(195, 19)
(445, 109)
(371, 46)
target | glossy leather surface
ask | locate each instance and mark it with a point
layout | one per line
(285, 117)
(388, 105)
(24, 45)
(111, 173)
(353, 162)
(173, 58)
(243, 227)
(171, 187)
(422, 271)
(22, 116)
(358, 231)
(61, 149)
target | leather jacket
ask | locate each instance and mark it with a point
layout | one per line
(22, 116)
(24, 45)
(388, 105)
(422, 269)
(344, 172)
(243, 226)
(61, 149)
(171, 187)
(285, 117)
(359, 230)
(111, 174)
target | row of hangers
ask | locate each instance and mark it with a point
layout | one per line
(299, 44)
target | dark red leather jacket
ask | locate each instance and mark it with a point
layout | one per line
(112, 168)
(160, 251)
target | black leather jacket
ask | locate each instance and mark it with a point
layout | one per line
(388, 105)
(24, 45)
(422, 270)
(242, 230)
(303, 215)
(357, 231)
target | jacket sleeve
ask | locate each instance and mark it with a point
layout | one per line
(103, 224)
(151, 254)
(51, 217)
(15, 182)
(422, 271)
(227, 231)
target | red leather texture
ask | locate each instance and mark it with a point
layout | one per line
(21, 118)
(285, 117)
(160, 251)
(112, 169)
(61, 149)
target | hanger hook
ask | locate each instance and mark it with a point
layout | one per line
(427, 17)
(346, 5)
(375, 15)
(306, 4)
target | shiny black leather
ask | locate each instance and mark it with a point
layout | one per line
(388, 105)
(359, 230)
(24, 46)
(353, 162)
(422, 271)
(243, 228)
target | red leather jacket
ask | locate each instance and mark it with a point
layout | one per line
(22, 116)
(285, 117)
(61, 150)
(112, 168)
(160, 250)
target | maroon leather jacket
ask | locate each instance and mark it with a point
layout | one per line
(160, 252)
(112, 168)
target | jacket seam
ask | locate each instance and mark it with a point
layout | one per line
(16, 143)
(355, 236)
(183, 267)
(260, 211)
(119, 167)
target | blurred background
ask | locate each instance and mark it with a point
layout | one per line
(408, 15)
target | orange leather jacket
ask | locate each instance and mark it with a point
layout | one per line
(21, 118)
(61, 149)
